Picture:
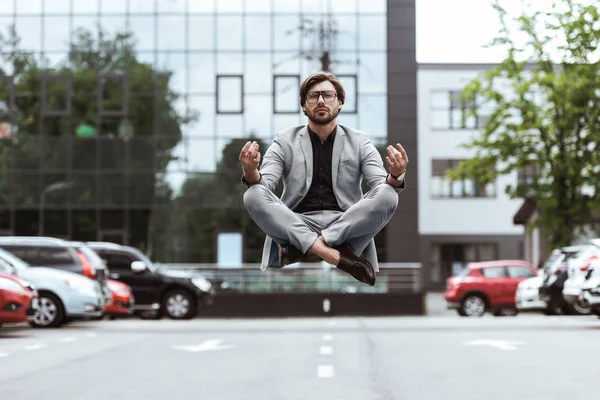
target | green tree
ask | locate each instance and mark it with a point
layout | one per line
(544, 99)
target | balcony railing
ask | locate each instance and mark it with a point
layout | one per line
(306, 278)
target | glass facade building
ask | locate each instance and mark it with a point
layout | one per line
(122, 120)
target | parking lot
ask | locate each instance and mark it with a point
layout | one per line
(528, 357)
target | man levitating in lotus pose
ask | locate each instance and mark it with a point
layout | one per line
(323, 213)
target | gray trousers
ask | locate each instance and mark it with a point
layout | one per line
(357, 226)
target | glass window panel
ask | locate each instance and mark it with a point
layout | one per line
(84, 191)
(469, 186)
(372, 112)
(141, 189)
(348, 120)
(57, 33)
(445, 187)
(230, 6)
(55, 7)
(315, 6)
(258, 33)
(112, 189)
(440, 100)
(287, 6)
(85, 23)
(86, 7)
(283, 121)
(338, 6)
(457, 119)
(229, 63)
(258, 6)
(175, 64)
(258, 77)
(171, 32)
(372, 77)
(229, 35)
(229, 92)
(28, 7)
(6, 7)
(201, 73)
(201, 155)
(457, 188)
(440, 119)
(142, 153)
(287, 32)
(143, 29)
(114, 24)
(230, 126)
(286, 94)
(287, 63)
(470, 252)
(487, 252)
(490, 189)
(258, 116)
(29, 30)
(174, 180)
(114, 6)
(171, 5)
(343, 63)
(201, 34)
(350, 102)
(372, 32)
(346, 28)
(204, 106)
(379, 6)
(178, 157)
(200, 6)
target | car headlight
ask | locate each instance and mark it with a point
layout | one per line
(82, 287)
(8, 284)
(202, 284)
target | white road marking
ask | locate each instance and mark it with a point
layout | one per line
(325, 371)
(326, 350)
(213, 344)
(328, 337)
(90, 334)
(36, 346)
(4, 355)
(499, 344)
(67, 339)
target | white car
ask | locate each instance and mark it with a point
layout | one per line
(578, 268)
(62, 295)
(527, 296)
(590, 293)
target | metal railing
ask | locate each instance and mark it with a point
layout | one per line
(306, 278)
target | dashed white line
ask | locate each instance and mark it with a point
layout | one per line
(4, 355)
(36, 346)
(67, 339)
(327, 337)
(326, 350)
(325, 371)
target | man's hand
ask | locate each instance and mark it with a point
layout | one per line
(397, 159)
(250, 160)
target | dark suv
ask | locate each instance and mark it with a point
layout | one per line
(39, 251)
(157, 291)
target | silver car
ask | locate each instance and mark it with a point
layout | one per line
(63, 295)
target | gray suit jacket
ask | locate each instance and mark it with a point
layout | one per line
(290, 157)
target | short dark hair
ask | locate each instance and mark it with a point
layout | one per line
(319, 77)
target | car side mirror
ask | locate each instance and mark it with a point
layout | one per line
(138, 266)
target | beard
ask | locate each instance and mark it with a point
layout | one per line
(322, 119)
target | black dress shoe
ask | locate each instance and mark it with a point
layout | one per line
(360, 268)
(289, 254)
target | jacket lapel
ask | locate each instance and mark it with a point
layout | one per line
(338, 146)
(306, 145)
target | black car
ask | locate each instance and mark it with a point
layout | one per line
(555, 274)
(157, 291)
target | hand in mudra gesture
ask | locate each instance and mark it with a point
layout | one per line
(250, 157)
(397, 159)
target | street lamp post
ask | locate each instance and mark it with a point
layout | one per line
(50, 188)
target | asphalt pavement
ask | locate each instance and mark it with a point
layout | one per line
(527, 357)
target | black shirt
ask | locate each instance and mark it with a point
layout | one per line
(320, 196)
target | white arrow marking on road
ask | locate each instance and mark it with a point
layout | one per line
(499, 344)
(67, 339)
(327, 337)
(91, 334)
(4, 355)
(36, 346)
(325, 371)
(213, 344)
(326, 350)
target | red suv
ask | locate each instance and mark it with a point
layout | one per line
(487, 286)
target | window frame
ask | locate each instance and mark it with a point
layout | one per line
(68, 78)
(274, 94)
(217, 95)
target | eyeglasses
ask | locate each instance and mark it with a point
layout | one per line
(328, 96)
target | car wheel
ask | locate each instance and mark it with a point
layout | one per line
(179, 304)
(579, 308)
(50, 312)
(473, 306)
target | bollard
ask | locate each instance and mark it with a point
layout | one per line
(326, 305)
